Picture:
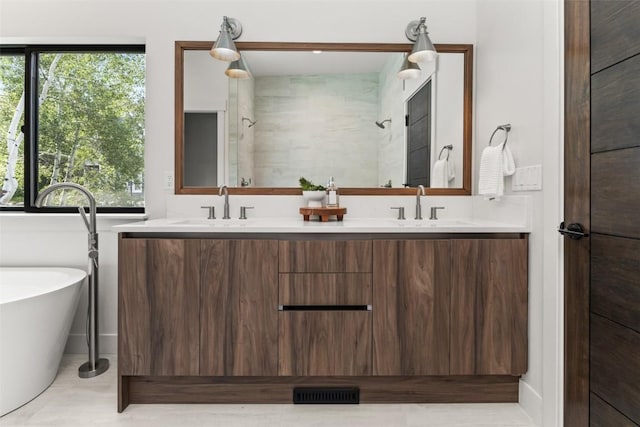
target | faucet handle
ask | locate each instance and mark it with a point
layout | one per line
(212, 211)
(434, 212)
(400, 211)
(243, 211)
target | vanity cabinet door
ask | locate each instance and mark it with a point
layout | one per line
(239, 308)
(159, 289)
(332, 343)
(411, 280)
(489, 307)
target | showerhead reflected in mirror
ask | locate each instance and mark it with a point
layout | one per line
(381, 124)
(251, 122)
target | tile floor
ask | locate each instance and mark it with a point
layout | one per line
(75, 402)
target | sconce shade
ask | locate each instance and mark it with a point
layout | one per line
(408, 70)
(224, 48)
(423, 49)
(238, 69)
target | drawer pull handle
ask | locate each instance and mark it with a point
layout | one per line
(324, 308)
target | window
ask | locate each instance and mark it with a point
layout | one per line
(82, 116)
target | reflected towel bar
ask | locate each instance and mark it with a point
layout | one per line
(448, 148)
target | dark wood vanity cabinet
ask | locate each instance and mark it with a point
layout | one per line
(435, 319)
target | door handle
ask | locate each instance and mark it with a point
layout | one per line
(573, 231)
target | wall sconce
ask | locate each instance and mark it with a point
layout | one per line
(423, 49)
(408, 70)
(224, 48)
(238, 69)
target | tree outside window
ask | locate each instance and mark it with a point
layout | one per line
(88, 119)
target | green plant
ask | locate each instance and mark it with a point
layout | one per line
(307, 185)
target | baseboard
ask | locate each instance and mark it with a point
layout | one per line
(373, 389)
(531, 402)
(77, 344)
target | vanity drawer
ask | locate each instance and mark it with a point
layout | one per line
(325, 289)
(337, 256)
(334, 343)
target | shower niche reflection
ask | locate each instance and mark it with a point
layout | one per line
(301, 115)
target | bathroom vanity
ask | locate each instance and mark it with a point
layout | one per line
(210, 312)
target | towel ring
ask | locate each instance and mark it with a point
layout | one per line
(506, 128)
(448, 148)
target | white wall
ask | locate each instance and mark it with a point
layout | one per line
(517, 67)
(206, 87)
(518, 82)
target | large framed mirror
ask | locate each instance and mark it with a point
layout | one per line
(319, 110)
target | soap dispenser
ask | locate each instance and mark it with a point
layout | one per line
(332, 194)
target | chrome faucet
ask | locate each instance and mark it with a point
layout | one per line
(225, 190)
(95, 366)
(418, 205)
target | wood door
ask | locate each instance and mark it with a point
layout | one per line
(602, 192)
(411, 285)
(158, 319)
(418, 123)
(239, 308)
(489, 307)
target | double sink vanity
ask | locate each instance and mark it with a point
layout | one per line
(247, 311)
(264, 309)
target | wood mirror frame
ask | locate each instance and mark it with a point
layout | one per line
(465, 49)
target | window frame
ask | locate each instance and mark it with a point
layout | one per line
(30, 122)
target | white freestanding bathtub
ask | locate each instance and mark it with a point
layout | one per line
(37, 306)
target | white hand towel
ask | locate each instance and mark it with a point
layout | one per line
(491, 179)
(439, 175)
(451, 171)
(495, 164)
(508, 165)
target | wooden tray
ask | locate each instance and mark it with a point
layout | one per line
(323, 213)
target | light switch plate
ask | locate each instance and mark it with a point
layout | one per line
(527, 178)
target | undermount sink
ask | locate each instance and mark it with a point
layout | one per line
(432, 223)
(214, 222)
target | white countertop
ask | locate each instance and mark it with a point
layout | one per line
(297, 225)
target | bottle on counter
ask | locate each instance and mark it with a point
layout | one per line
(332, 194)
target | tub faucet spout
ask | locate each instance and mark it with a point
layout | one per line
(91, 223)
